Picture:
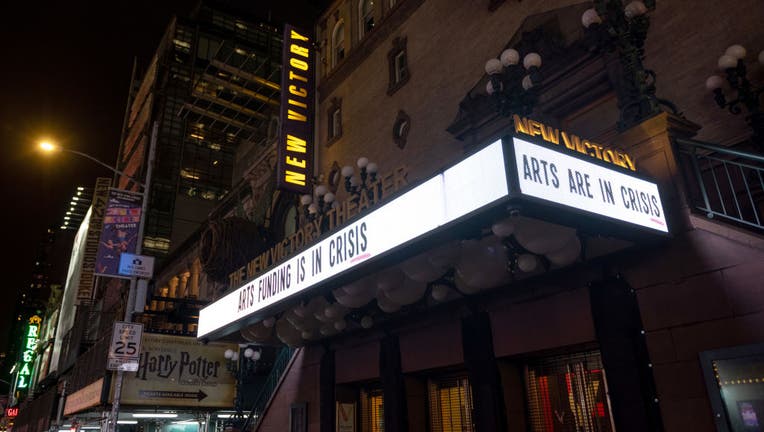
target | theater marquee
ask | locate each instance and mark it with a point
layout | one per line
(571, 181)
(295, 150)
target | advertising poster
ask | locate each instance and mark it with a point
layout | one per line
(180, 371)
(120, 230)
(345, 417)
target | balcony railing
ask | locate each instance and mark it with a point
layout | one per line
(724, 183)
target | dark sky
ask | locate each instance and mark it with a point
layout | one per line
(65, 69)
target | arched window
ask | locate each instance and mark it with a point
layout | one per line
(366, 17)
(338, 43)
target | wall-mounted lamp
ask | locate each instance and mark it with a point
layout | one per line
(612, 27)
(512, 84)
(324, 199)
(742, 91)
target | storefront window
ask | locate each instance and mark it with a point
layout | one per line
(450, 405)
(568, 393)
(735, 382)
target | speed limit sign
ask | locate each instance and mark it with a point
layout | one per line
(125, 348)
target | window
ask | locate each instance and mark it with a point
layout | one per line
(366, 16)
(450, 404)
(335, 120)
(734, 380)
(568, 393)
(372, 410)
(401, 129)
(398, 65)
(338, 43)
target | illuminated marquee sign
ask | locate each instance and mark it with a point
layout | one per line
(381, 189)
(472, 184)
(295, 149)
(575, 177)
(12, 412)
(563, 179)
(30, 348)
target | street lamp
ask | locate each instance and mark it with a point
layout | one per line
(50, 147)
(612, 27)
(741, 90)
(511, 84)
(242, 365)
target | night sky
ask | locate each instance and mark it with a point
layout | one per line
(64, 74)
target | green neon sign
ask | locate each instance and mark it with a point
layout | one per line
(30, 350)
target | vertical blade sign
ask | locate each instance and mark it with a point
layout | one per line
(295, 150)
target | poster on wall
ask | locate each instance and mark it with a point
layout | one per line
(345, 417)
(120, 230)
(180, 371)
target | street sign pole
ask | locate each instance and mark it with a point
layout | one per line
(130, 306)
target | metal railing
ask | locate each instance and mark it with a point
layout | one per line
(724, 183)
(269, 387)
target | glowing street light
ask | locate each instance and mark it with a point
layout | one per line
(50, 147)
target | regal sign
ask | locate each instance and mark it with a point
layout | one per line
(31, 337)
(294, 167)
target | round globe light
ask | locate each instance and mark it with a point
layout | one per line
(249, 352)
(510, 57)
(635, 9)
(527, 82)
(228, 354)
(737, 51)
(714, 82)
(727, 62)
(440, 292)
(306, 199)
(347, 171)
(367, 322)
(531, 60)
(589, 17)
(493, 66)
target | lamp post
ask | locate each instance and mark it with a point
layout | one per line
(130, 306)
(743, 91)
(511, 84)
(612, 27)
(241, 365)
(354, 184)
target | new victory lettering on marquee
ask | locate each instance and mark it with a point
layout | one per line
(294, 168)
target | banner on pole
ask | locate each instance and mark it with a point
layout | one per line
(120, 231)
